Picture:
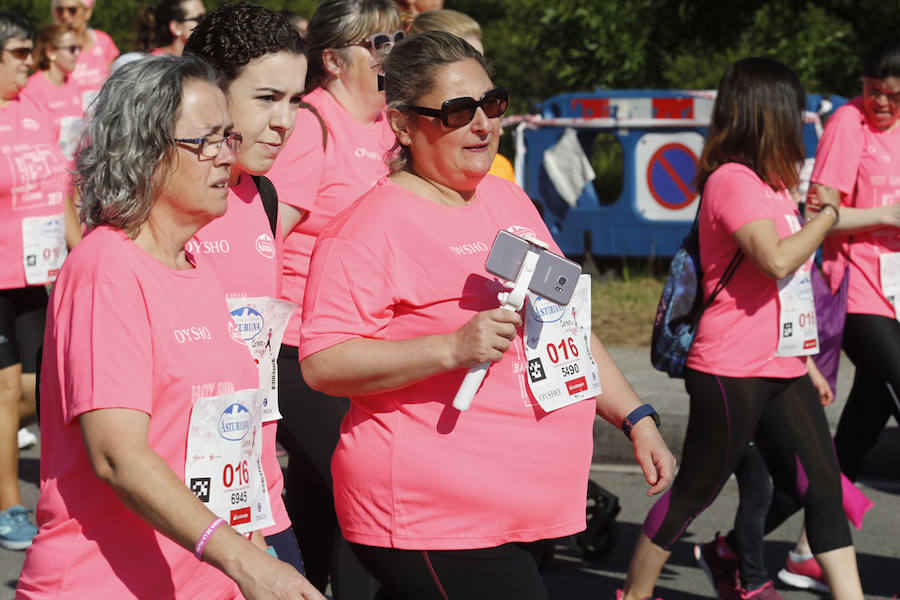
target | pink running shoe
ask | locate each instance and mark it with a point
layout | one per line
(766, 592)
(803, 574)
(721, 566)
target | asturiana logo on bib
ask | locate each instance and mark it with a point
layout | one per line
(234, 422)
(249, 322)
(265, 245)
(546, 311)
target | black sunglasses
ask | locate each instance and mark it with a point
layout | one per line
(72, 10)
(460, 111)
(380, 40)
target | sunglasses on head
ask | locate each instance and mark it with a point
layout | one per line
(72, 10)
(20, 53)
(460, 111)
(380, 40)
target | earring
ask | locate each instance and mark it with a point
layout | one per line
(52, 58)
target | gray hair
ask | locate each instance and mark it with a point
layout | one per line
(338, 23)
(13, 27)
(129, 137)
(410, 71)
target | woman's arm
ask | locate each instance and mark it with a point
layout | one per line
(779, 257)
(70, 219)
(853, 220)
(615, 403)
(384, 365)
(116, 442)
(289, 217)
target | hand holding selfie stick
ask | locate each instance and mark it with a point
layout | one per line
(512, 300)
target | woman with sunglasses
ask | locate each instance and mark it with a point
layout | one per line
(335, 154)
(97, 49)
(261, 61)
(437, 503)
(34, 204)
(139, 358)
(165, 28)
(56, 53)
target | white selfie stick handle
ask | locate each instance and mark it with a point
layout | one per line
(513, 300)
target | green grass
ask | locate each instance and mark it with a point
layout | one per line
(623, 308)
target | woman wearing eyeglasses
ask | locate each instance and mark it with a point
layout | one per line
(335, 154)
(56, 53)
(437, 503)
(97, 49)
(34, 204)
(261, 60)
(139, 356)
(165, 28)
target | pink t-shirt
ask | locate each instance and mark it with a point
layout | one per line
(738, 333)
(860, 162)
(124, 331)
(247, 258)
(409, 471)
(323, 183)
(62, 104)
(33, 181)
(92, 68)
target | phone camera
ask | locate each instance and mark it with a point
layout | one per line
(561, 281)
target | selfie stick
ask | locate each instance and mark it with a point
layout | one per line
(512, 300)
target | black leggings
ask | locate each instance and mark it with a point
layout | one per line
(22, 315)
(873, 344)
(309, 431)
(786, 420)
(507, 572)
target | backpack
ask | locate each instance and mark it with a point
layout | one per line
(269, 198)
(681, 304)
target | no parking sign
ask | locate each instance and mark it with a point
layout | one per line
(665, 165)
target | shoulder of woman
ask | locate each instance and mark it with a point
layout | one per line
(850, 113)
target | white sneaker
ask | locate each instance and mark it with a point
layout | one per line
(26, 439)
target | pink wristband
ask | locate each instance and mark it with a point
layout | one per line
(201, 543)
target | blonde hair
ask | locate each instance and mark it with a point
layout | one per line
(445, 19)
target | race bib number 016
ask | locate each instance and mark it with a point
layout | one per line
(43, 247)
(561, 370)
(223, 466)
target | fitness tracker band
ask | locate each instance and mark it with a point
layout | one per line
(645, 410)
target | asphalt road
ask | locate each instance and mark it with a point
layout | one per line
(572, 577)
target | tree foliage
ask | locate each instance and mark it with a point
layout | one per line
(540, 48)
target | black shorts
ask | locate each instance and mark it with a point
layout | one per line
(22, 315)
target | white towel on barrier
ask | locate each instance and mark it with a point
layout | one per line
(568, 167)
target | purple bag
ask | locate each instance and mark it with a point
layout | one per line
(831, 312)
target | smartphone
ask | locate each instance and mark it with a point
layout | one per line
(506, 256)
(555, 277)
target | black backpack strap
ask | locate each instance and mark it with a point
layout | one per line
(315, 112)
(269, 198)
(733, 264)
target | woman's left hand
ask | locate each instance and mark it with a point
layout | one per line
(654, 457)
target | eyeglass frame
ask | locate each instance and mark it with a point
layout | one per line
(446, 107)
(73, 48)
(369, 43)
(204, 142)
(197, 18)
(24, 51)
(72, 10)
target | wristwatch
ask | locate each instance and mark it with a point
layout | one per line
(644, 410)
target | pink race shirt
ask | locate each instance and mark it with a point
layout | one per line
(410, 471)
(862, 163)
(247, 257)
(33, 181)
(92, 67)
(124, 331)
(62, 105)
(323, 183)
(738, 333)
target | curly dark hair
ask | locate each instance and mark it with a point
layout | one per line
(231, 36)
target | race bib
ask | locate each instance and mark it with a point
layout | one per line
(889, 265)
(561, 370)
(70, 129)
(261, 322)
(798, 331)
(223, 467)
(43, 247)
